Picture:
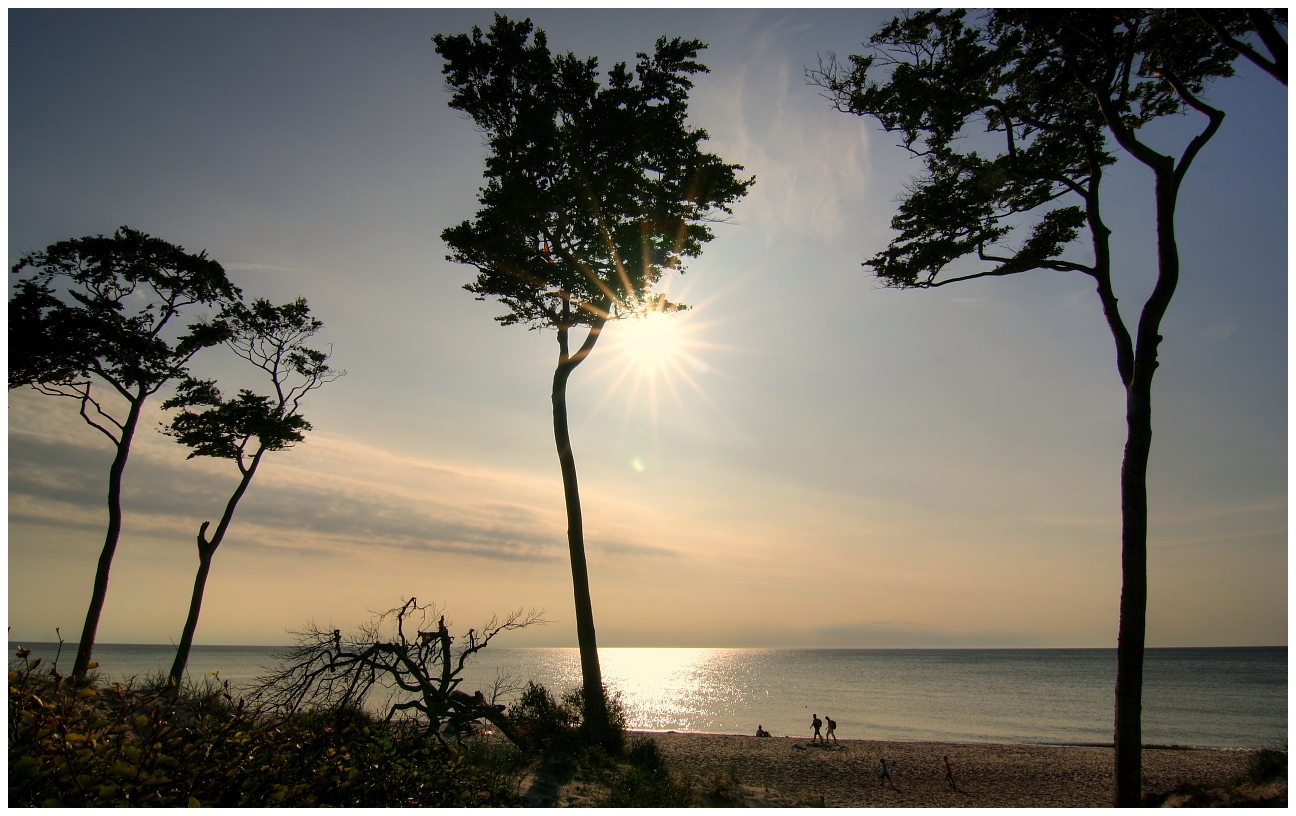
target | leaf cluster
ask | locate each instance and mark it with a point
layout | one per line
(77, 746)
(1033, 82)
(593, 189)
(273, 338)
(101, 305)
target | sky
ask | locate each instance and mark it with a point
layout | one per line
(819, 462)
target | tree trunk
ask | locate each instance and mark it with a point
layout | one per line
(195, 606)
(1138, 416)
(1133, 600)
(596, 713)
(206, 550)
(100, 592)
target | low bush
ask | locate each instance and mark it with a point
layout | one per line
(550, 725)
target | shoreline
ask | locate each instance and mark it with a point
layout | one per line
(789, 770)
(1108, 745)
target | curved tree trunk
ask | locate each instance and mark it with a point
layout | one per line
(596, 715)
(597, 721)
(100, 592)
(206, 550)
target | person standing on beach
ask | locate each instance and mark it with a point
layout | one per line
(949, 774)
(885, 777)
(832, 729)
(816, 724)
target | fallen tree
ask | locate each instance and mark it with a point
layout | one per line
(414, 666)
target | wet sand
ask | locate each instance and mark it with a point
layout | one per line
(845, 774)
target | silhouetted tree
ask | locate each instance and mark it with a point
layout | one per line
(593, 191)
(244, 428)
(98, 314)
(401, 655)
(1047, 88)
(1232, 26)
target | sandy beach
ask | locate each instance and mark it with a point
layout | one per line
(845, 774)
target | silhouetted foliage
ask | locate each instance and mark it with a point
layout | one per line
(97, 314)
(548, 724)
(77, 745)
(401, 657)
(1048, 89)
(1232, 27)
(244, 428)
(594, 190)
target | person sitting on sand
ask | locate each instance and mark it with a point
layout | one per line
(949, 774)
(816, 724)
(885, 777)
(832, 729)
(761, 732)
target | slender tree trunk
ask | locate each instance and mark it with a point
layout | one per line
(195, 606)
(206, 550)
(596, 714)
(1133, 601)
(1138, 416)
(100, 592)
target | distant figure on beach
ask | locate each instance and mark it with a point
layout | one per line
(949, 775)
(816, 724)
(761, 732)
(832, 729)
(885, 777)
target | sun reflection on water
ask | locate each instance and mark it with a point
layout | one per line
(678, 689)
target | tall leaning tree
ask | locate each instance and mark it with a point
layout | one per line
(594, 190)
(245, 427)
(1015, 117)
(96, 320)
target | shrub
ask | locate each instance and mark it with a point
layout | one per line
(550, 725)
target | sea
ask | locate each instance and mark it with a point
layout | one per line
(1219, 697)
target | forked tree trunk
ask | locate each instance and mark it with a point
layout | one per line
(206, 550)
(100, 592)
(596, 714)
(1138, 416)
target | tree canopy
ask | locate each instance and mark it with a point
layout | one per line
(101, 306)
(593, 189)
(271, 338)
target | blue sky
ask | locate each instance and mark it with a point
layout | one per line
(845, 466)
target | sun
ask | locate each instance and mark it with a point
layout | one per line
(651, 342)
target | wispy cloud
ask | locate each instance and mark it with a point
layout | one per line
(62, 483)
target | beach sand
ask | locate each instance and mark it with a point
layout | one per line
(845, 774)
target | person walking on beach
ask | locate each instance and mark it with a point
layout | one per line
(949, 774)
(832, 729)
(885, 777)
(816, 724)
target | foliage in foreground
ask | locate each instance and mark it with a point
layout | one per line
(550, 725)
(632, 775)
(93, 745)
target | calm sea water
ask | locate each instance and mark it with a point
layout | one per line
(1210, 697)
